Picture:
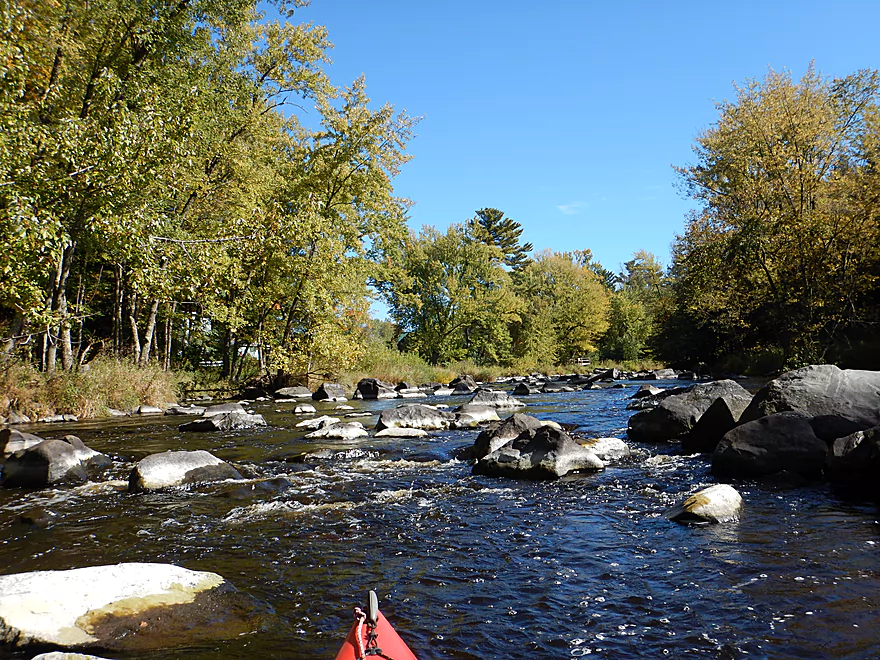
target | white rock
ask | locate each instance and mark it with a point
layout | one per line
(318, 422)
(716, 504)
(608, 449)
(56, 607)
(340, 431)
(304, 409)
(401, 432)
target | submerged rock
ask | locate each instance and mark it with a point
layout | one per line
(179, 468)
(132, 607)
(717, 504)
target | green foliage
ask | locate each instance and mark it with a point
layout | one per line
(489, 226)
(784, 252)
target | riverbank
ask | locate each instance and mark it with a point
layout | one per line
(105, 385)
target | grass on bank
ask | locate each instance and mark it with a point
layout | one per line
(108, 382)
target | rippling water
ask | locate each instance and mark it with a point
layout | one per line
(475, 567)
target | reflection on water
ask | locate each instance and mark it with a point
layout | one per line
(473, 567)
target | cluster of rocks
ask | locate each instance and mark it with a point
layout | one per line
(818, 421)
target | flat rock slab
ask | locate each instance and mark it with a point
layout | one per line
(179, 468)
(229, 421)
(133, 607)
(400, 432)
(340, 431)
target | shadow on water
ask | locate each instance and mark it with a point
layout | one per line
(473, 567)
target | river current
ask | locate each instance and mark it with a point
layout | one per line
(473, 567)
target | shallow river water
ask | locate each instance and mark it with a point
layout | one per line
(475, 567)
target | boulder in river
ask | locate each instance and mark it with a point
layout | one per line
(401, 432)
(463, 384)
(719, 418)
(13, 440)
(854, 463)
(716, 504)
(775, 443)
(823, 389)
(414, 416)
(678, 413)
(499, 434)
(525, 389)
(495, 399)
(144, 409)
(133, 607)
(224, 422)
(607, 449)
(373, 388)
(330, 391)
(185, 410)
(475, 413)
(224, 408)
(340, 431)
(298, 392)
(179, 468)
(318, 422)
(52, 462)
(545, 453)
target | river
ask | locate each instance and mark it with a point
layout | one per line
(474, 567)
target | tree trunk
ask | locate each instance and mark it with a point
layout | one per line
(14, 334)
(118, 302)
(135, 335)
(151, 331)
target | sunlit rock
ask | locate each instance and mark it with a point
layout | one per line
(545, 453)
(415, 416)
(179, 468)
(52, 462)
(821, 390)
(340, 431)
(716, 504)
(318, 422)
(135, 607)
(224, 422)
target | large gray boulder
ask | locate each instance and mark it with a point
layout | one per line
(526, 389)
(499, 434)
(373, 388)
(477, 413)
(52, 462)
(463, 384)
(414, 416)
(297, 392)
(608, 450)
(179, 468)
(224, 422)
(224, 408)
(719, 418)
(13, 440)
(716, 504)
(546, 453)
(821, 390)
(854, 463)
(332, 391)
(678, 413)
(135, 607)
(775, 443)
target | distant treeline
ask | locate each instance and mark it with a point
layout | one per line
(182, 184)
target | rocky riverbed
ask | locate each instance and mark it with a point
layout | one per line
(587, 562)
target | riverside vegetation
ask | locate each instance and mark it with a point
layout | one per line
(167, 200)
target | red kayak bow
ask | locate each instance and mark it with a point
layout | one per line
(372, 636)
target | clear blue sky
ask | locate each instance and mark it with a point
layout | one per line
(568, 115)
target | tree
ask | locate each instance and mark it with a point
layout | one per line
(785, 248)
(492, 228)
(565, 308)
(453, 298)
